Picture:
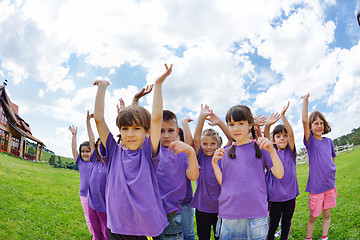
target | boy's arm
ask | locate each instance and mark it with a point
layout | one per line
(101, 125)
(305, 118)
(216, 121)
(120, 106)
(273, 118)
(192, 173)
(204, 112)
(277, 168)
(157, 111)
(288, 128)
(219, 153)
(187, 132)
(75, 152)
(90, 131)
(142, 93)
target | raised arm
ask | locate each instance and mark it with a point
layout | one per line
(192, 173)
(90, 131)
(305, 118)
(277, 168)
(101, 125)
(216, 121)
(142, 93)
(219, 154)
(73, 131)
(288, 128)
(204, 112)
(272, 119)
(187, 132)
(157, 110)
(120, 106)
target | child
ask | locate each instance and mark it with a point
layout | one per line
(205, 199)
(177, 162)
(321, 180)
(85, 165)
(97, 183)
(133, 203)
(243, 198)
(282, 192)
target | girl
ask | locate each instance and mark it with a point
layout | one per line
(321, 180)
(133, 205)
(282, 192)
(97, 183)
(205, 199)
(243, 200)
(85, 165)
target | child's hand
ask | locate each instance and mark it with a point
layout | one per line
(284, 109)
(214, 119)
(89, 116)
(305, 96)
(186, 120)
(144, 91)
(273, 118)
(162, 78)
(73, 129)
(205, 110)
(219, 154)
(265, 144)
(101, 83)
(120, 106)
(260, 121)
(179, 146)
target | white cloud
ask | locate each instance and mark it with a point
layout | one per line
(41, 93)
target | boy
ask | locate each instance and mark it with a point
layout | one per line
(177, 162)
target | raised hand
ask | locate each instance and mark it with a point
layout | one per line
(73, 130)
(89, 116)
(120, 106)
(284, 109)
(214, 119)
(143, 92)
(101, 83)
(273, 118)
(205, 110)
(186, 120)
(260, 121)
(219, 154)
(307, 95)
(265, 143)
(162, 78)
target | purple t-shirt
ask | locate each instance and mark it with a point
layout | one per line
(243, 189)
(84, 170)
(286, 188)
(97, 183)
(189, 193)
(322, 168)
(133, 203)
(171, 176)
(207, 187)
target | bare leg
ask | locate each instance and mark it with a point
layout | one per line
(326, 221)
(310, 226)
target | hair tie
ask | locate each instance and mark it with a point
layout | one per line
(254, 140)
(233, 143)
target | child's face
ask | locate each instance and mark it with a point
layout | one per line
(169, 132)
(281, 140)
(239, 131)
(209, 145)
(85, 152)
(317, 127)
(133, 136)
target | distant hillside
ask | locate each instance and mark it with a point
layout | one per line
(351, 138)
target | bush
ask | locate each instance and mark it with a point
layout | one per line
(52, 160)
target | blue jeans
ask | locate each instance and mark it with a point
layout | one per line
(174, 230)
(244, 229)
(188, 222)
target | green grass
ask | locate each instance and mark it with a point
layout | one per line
(38, 201)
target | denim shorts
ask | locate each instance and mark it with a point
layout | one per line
(244, 229)
(174, 230)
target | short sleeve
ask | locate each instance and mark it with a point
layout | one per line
(108, 152)
(333, 153)
(267, 159)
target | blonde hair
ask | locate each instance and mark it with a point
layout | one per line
(212, 133)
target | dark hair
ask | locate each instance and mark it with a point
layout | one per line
(169, 115)
(98, 156)
(278, 129)
(242, 113)
(181, 134)
(212, 133)
(84, 144)
(317, 114)
(134, 115)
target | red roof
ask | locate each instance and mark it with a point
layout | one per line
(14, 119)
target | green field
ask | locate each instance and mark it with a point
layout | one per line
(38, 201)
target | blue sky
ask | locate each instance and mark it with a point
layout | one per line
(225, 52)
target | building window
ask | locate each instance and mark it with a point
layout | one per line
(4, 139)
(3, 118)
(15, 146)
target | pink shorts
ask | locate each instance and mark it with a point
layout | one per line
(319, 202)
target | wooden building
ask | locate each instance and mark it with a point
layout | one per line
(14, 131)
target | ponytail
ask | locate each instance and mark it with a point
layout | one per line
(231, 152)
(98, 156)
(258, 152)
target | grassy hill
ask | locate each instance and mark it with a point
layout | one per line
(38, 201)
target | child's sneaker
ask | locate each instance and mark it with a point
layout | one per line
(278, 234)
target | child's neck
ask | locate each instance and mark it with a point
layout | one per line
(318, 137)
(243, 141)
